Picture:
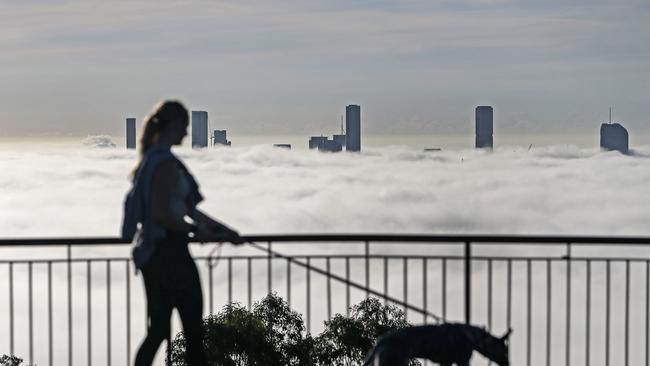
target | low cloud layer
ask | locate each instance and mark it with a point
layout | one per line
(551, 190)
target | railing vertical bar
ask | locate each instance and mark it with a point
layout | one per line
(11, 308)
(509, 298)
(468, 282)
(509, 293)
(50, 340)
(229, 280)
(568, 307)
(289, 283)
(443, 289)
(489, 294)
(210, 285)
(627, 312)
(89, 313)
(308, 295)
(405, 286)
(424, 290)
(607, 309)
(329, 289)
(529, 305)
(269, 274)
(367, 254)
(69, 265)
(30, 295)
(128, 312)
(250, 282)
(385, 280)
(588, 316)
(549, 310)
(347, 286)
(108, 312)
(489, 298)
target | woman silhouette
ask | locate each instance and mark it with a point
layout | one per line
(158, 210)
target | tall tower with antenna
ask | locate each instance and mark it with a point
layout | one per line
(341, 137)
(613, 136)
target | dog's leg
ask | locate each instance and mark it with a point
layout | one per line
(387, 358)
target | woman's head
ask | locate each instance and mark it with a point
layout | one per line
(167, 123)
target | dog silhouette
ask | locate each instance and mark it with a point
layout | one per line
(446, 344)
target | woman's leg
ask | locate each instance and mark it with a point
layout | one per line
(160, 311)
(190, 309)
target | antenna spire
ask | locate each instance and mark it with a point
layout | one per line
(342, 132)
(610, 115)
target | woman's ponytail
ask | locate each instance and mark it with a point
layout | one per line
(152, 127)
(162, 115)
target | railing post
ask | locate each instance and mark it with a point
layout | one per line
(468, 281)
(69, 266)
(11, 308)
(269, 270)
(568, 305)
(367, 255)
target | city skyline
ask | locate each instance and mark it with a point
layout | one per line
(613, 136)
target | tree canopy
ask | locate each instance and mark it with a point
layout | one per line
(271, 333)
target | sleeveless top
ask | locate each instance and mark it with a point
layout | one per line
(180, 207)
(137, 225)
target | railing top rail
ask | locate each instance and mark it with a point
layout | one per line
(375, 238)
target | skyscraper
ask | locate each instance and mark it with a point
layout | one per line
(330, 146)
(614, 136)
(316, 141)
(340, 139)
(199, 129)
(219, 138)
(353, 128)
(130, 133)
(484, 128)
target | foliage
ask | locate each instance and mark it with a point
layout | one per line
(270, 334)
(10, 360)
(273, 334)
(285, 329)
(346, 340)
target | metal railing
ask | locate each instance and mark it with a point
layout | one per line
(570, 300)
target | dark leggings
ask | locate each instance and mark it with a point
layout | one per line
(171, 281)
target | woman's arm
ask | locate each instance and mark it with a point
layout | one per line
(202, 217)
(221, 229)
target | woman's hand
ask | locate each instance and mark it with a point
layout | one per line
(232, 236)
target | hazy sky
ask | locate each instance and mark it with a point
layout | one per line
(259, 67)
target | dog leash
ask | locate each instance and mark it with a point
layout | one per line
(217, 248)
(345, 281)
